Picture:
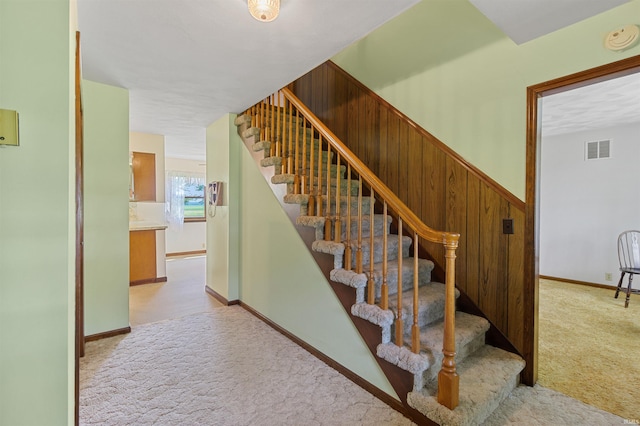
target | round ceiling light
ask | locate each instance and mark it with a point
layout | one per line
(264, 10)
(622, 38)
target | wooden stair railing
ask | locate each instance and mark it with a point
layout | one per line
(275, 117)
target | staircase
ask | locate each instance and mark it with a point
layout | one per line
(393, 286)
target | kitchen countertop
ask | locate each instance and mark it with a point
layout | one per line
(146, 225)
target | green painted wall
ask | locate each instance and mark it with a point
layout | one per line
(37, 248)
(448, 68)
(223, 228)
(255, 254)
(106, 207)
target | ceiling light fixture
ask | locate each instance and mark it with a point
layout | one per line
(264, 10)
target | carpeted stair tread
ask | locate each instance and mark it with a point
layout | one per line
(430, 304)
(366, 205)
(328, 247)
(287, 178)
(325, 155)
(378, 245)
(378, 226)
(266, 144)
(278, 161)
(261, 146)
(304, 199)
(424, 274)
(337, 249)
(469, 337)
(242, 119)
(486, 378)
(469, 334)
(467, 326)
(272, 161)
(333, 169)
(250, 133)
(318, 222)
(404, 358)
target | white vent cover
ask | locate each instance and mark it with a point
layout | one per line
(598, 149)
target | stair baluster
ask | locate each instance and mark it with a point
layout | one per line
(272, 125)
(347, 248)
(327, 221)
(371, 284)
(285, 139)
(400, 319)
(338, 222)
(303, 169)
(279, 113)
(359, 248)
(384, 298)
(290, 146)
(263, 119)
(260, 121)
(415, 328)
(311, 205)
(319, 186)
(296, 167)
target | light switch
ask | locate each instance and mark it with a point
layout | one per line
(9, 127)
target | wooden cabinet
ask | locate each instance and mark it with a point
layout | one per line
(143, 169)
(142, 257)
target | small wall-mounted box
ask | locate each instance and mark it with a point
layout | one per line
(9, 127)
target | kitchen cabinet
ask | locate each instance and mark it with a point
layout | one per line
(142, 257)
(143, 181)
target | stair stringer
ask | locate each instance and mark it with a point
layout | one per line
(400, 379)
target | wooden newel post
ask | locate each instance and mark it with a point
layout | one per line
(448, 379)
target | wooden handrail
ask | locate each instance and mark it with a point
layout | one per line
(287, 150)
(380, 188)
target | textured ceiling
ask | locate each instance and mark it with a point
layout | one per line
(187, 63)
(601, 105)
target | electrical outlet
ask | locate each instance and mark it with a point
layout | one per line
(507, 226)
(608, 276)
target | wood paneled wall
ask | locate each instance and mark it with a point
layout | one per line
(444, 190)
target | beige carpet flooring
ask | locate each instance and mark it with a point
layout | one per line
(226, 367)
(589, 346)
(223, 366)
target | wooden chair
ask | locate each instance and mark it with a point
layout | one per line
(629, 259)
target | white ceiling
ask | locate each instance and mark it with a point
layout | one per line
(187, 63)
(601, 105)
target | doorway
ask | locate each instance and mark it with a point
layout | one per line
(182, 294)
(532, 210)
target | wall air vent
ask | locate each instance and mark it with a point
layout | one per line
(598, 149)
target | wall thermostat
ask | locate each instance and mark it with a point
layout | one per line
(622, 38)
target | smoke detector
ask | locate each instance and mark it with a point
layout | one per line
(622, 38)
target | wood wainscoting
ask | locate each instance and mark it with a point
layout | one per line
(440, 187)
